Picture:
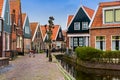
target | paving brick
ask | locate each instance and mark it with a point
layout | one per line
(30, 68)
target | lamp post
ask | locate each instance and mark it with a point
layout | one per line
(1, 36)
(49, 34)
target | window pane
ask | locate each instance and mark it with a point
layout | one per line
(77, 26)
(84, 25)
(75, 42)
(117, 15)
(113, 45)
(104, 45)
(98, 45)
(71, 41)
(109, 16)
(27, 31)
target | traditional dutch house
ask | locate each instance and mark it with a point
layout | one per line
(27, 32)
(4, 27)
(64, 39)
(37, 43)
(78, 28)
(105, 26)
(16, 26)
(56, 37)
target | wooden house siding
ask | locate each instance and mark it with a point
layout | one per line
(79, 17)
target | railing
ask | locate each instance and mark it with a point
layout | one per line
(67, 76)
(4, 61)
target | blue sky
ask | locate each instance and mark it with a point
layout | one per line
(40, 10)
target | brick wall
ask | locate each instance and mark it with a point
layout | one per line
(108, 33)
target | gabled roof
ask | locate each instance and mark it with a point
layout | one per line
(55, 31)
(1, 6)
(15, 5)
(64, 32)
(97, 20)
(69, 19)
(23, 19)
(34, 27)
(89, 12)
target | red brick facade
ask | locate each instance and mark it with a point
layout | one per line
(107, 32)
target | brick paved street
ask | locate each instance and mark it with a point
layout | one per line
(38, 68)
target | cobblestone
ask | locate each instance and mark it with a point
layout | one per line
(32, 68)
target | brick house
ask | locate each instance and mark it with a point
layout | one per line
(78, 28)
(37, 42)
(4, 27)
(105, 26)
(16, 26)
(27, 32)
(56, 37)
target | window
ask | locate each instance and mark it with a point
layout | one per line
(84, 25)
(71, 42)
(7, 41)
(75, 41)
(21, 42)
(18, 38)
(80, 41)
(7, 17)
(77, 26)
(117, 15)
(111, 15)
(100, 42)
(27, 31)
(60, 35)
(115, 42)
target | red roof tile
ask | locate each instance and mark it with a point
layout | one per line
(1, 6)
(54, 31)
(33, 27)
(70, 17)
(89, 11)
(15, 5)
(98, 18)
(64, 33)
(23, 17)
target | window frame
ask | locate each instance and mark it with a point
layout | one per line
(110, 8)
(85, 28)
(78, 23)
(103, 40)
(115, 41)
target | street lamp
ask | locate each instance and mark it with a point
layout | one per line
(1, 36)
(49, 34)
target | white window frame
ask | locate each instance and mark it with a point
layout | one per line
(78, 25)
(27, 31)
(105, 42)
(84, 27)
(109, 8)
(112, 40)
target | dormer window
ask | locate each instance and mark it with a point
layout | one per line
(111, 15)
(76, 25)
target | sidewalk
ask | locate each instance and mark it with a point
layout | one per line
(38, 68)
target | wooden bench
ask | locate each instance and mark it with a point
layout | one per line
(4, 61)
